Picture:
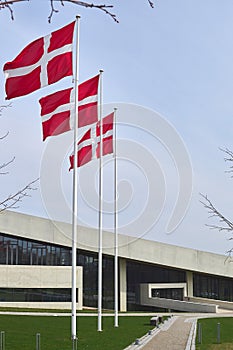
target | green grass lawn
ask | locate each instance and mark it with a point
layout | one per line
(209, 334)
(20, 332)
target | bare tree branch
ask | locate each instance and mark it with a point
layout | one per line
(53, 10)
(151, 4)
(224, 224)
(228, 158)
(215, 213)
(7, 4)
(11, 201)
(102, 7)
(229, 256)
(4, 165)
(5, 106)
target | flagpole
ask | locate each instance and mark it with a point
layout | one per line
(75, 195)
(100, 243)
(116, 324)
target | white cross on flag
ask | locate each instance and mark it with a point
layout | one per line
(57, 109)
(89, 145)
(41, 63)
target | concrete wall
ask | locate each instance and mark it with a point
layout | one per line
(123, 285)
(24, 276)
(129, 248)
(173, 304)
(189, 279)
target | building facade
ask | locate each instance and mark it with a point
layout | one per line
(35, 268)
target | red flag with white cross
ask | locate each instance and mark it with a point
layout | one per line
(89, 145)
(41, 63)
(57, 109)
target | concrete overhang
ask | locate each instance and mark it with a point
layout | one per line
(138, 249)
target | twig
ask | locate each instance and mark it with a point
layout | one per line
(4, 165)
(5, 106)
(7, 4)
(53, 10)
(229, 256)
(215, 213)
(229, 158)
(151, 4)
(102, 7)
(11, 201)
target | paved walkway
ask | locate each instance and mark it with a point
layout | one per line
(177, 333)
(173, 338)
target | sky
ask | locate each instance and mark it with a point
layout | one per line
(169, 72)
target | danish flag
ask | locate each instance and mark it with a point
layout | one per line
(57, 109)
(89, 145)
(41, 63)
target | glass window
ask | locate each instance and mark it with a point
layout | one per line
(168, 293)
(212, 287)
(138, 273)
(36, 294)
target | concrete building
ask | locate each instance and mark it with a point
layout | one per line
(35, 270)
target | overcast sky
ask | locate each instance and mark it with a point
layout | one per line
(170, 68)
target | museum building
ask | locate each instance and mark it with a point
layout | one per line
(35, 269)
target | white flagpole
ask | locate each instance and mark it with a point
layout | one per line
(75, 195)
(116, 324)
(100, 248)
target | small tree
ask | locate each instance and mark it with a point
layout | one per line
(12, 200)
(223, 223)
